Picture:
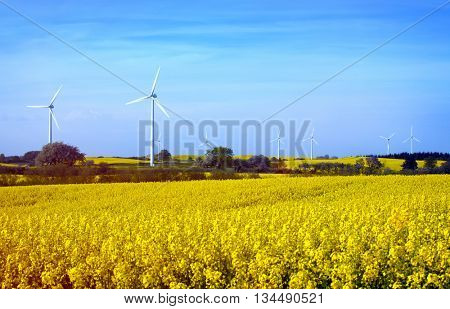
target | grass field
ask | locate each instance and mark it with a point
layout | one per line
(351, 232)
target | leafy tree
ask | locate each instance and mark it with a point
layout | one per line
(260, 163)
(430, 162)
(59, 153)
(164, 156)
(30, 156)
(359, 165)
(219, 157)
(239, 165)
(2, 158)
(373, 164)
(446, 167)
(409, 164)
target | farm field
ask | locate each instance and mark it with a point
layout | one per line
(118, 162)
(288, 232)
(394, 164)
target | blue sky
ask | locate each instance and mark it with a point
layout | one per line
(226, 60)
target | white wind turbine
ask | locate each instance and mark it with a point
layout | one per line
(388, 142)
(411, 139)
(158, 141)
(278, 140)
(51, 115)
(313, 141)
(207, 143)
(154, 99)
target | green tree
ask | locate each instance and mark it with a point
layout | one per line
(260, 163)
(59, 153)
(164, 156)
(410, 164)
(373, 164)
(359, 165)
(430, 162)
(30, 156)
(2, 158)
(219, 157)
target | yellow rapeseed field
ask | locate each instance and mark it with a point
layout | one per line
(321, 232)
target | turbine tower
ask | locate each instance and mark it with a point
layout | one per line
(154, 101)
(278, 140)
(411, 140)
(388, 142)
(313, 141)
(51, 115)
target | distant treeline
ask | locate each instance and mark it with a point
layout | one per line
(442, 156)
(27, 158)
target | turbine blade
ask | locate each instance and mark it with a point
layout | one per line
(155, 81)
(161, 108)
(416, 139)
(383, 137)
(56, 94)
(315, 142)
(392, 135)
(37, 106)
(406, 140)
(54, 118)
(306, 139)
(137, 100)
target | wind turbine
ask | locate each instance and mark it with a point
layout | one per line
(155, 101)
(207, 143)
(411, 139)
(278, 140)
(313, 141)
(158, 141)
(388, 142)
(51, 115)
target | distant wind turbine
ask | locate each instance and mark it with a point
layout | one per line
(278, 140)
(158, 141)
(388, 142)
(207, 143)
(51, 115)
(313, 141)
(411, 140)
(155, 101)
